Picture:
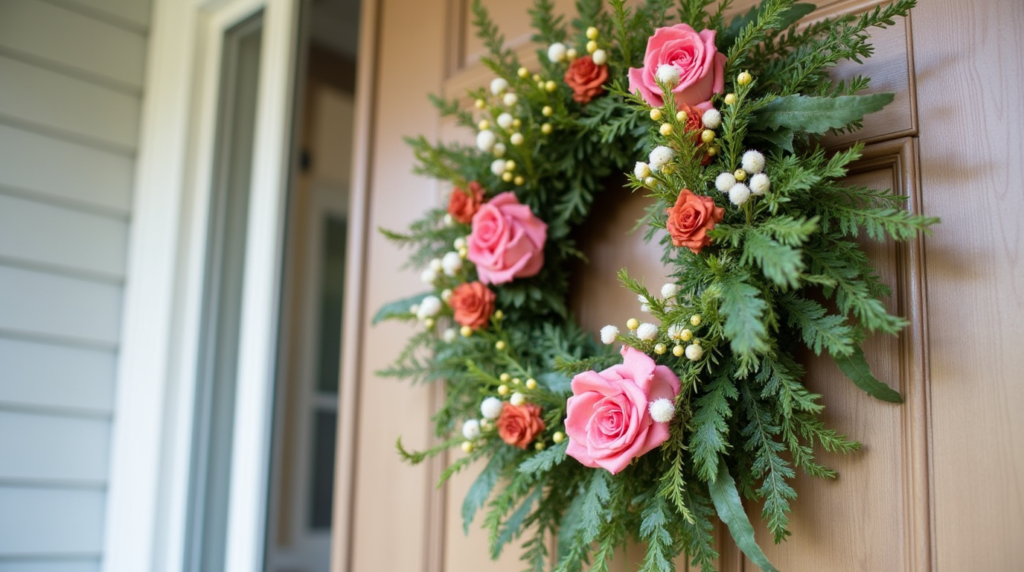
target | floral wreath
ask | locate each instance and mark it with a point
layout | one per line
(703, 404)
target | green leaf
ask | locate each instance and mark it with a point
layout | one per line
(545, 460)
(820, 114)
(398, 308)
(781, 138)
(481, 489)
(856, 368)
(743, 309)
(710, 428)
(779, 263)
(794, 14)
(513, 526)
(730, 510)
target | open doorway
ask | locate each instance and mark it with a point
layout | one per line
(306, 404)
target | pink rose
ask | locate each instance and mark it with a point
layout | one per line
(694, 55)
(608, 420)
(507, 241)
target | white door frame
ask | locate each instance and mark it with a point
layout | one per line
(152, 435)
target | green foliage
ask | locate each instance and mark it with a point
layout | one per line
(855, 366)
(819, 114)
(781, 271)
(730, 510)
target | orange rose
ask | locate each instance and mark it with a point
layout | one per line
(463, 204)
(518, 425)
(586, 79)
(690, 219)
(695, 125)
(473, 304)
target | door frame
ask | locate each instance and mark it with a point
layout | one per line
(151, 449)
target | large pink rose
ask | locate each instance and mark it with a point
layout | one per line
(507, 241)
(694, 55)
(608, 422)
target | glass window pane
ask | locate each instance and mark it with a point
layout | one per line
(332, 294)
(322, 497)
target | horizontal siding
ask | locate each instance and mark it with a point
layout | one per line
(50, 521)
(34, 565)
(40, 97)
(46, 376)
(53, 448)
(72, 40)
(43, 304)
(66, 238)
(72, 74)
(52, 169)
(136, 12)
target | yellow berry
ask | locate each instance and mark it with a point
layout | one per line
(429, 323)
(523, 73)
(484, 124)
(516, 381)
(498, 315)
(536, 77)
(467, 447)
(571, 54)
(707, 136)
(697, 342)
(510, 165)
(591, 33)
(712, 151)
(531, 383)
(504, 377)
(547, 111)
(730, 98)
(463, 252)
(695, 320)
(744, 78)
(665, 129)
(649, 181)
(678, 351)
(540, 84)
(517, 123)
(655, 114)
(480, 104)
(550, 85)
(499, 345)
(538, 446)
(632, 323)
(466, 331)
(503, 389)
(546, 129)
(558, 437)
(507, 177)
(681, 116)
(660, 349)
(740, 175)
(519, 180)
(591, 47)
(686, 336)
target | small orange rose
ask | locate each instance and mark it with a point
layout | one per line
(690, 219)
(586, 79)
(473, 304)
(518, 425)
(463, 204)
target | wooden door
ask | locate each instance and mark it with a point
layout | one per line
(937, 485)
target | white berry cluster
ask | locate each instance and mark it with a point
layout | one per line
(752, 165)
(677, 334)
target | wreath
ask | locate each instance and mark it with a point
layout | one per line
(703, 403)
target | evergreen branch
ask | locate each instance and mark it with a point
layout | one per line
(709, 437)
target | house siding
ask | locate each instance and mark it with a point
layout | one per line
(71, 77)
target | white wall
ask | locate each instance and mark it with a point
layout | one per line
(71, 77)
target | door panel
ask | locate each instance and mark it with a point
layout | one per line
(936, 485)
